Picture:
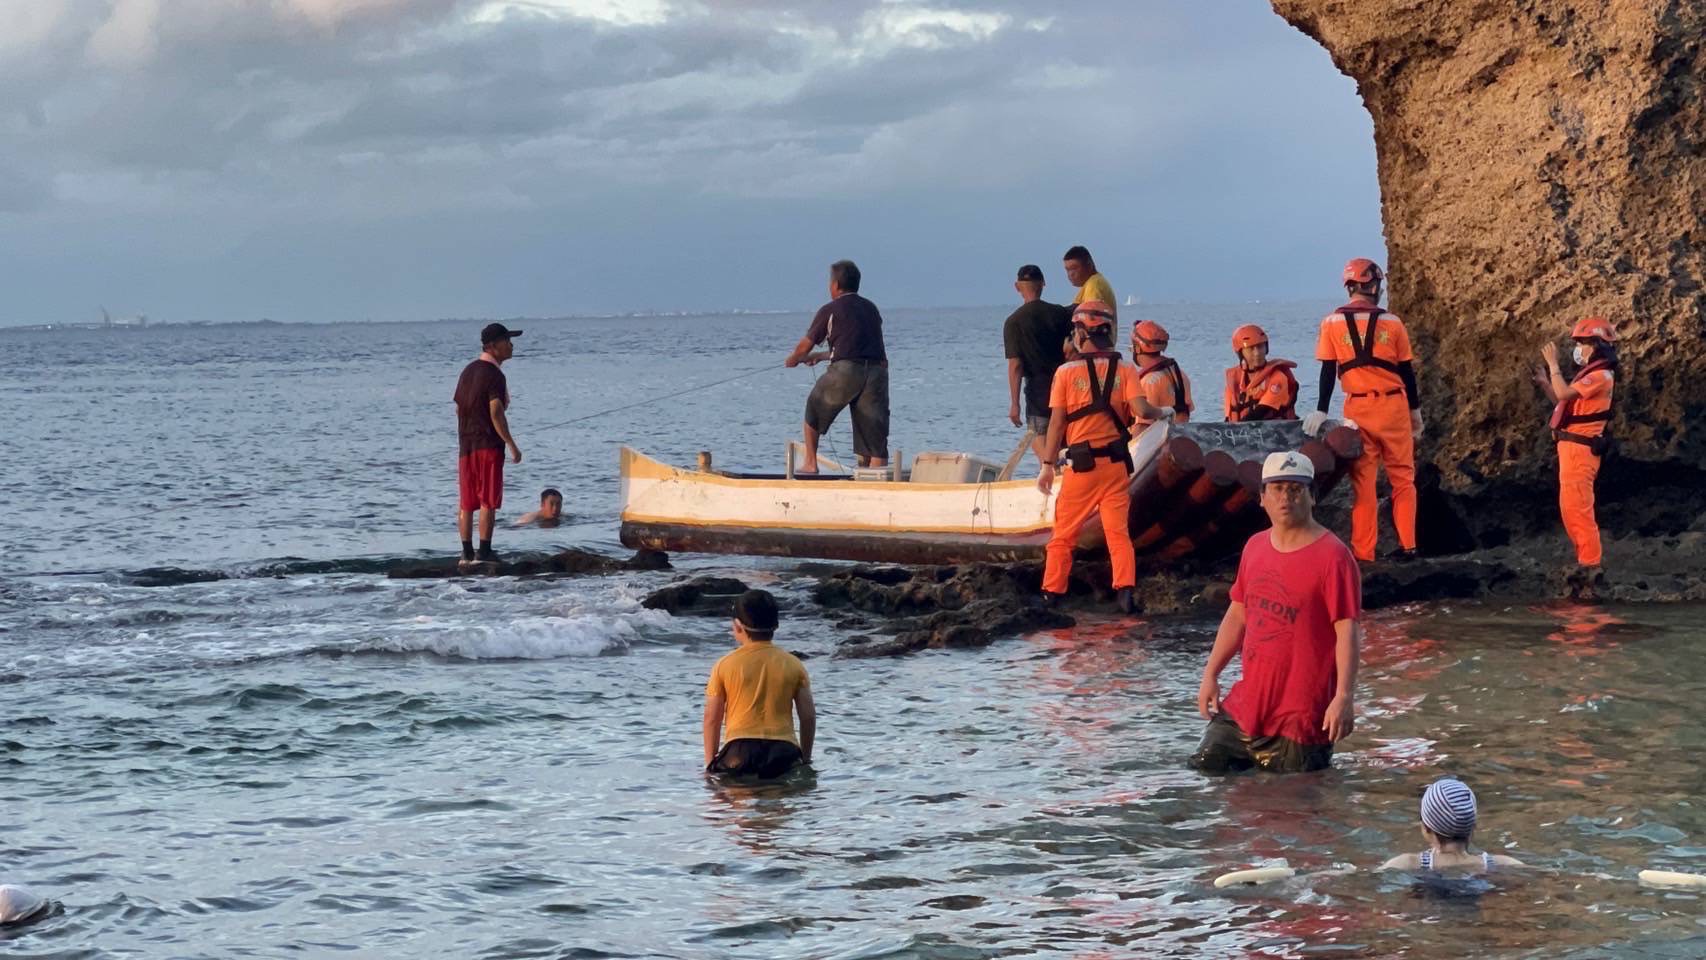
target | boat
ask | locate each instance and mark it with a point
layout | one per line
(1194, 495)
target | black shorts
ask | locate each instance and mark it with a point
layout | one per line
(1226, 748)
(765, 759)
(862, 385)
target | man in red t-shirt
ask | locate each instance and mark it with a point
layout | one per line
(482, 432)
(1294, 624)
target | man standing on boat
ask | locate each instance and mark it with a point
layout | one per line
(1368, 349)
(482, 396)
(858, 373)
(1092, 404)
(1034, 334)
(1081, 272)
(1294, 622)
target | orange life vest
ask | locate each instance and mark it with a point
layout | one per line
(1170, 367)
(1244, 392)
(1568, 413)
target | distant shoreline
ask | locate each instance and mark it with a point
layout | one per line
(1000, 309)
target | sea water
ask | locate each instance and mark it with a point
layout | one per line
(224, 732)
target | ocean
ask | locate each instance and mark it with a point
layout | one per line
(227, 733)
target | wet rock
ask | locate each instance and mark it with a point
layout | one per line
(1535, 167)
(572, 562)
(1448, 578)
(170, 576)
(698, 597)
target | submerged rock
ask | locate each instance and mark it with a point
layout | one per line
(698, 597)
(572, 562)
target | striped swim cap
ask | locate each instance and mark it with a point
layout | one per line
(1448, 809)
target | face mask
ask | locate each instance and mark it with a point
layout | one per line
(1581, 353)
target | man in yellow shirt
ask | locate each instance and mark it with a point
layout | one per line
(751, 698)
(1081, 272)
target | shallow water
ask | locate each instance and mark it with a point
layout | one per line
(308, 761)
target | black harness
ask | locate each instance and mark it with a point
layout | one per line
(1362, 348)
(1083, 456)
(1560, 427)
(1170, 367)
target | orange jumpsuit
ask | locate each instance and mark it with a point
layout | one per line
(1583, 418)
(1273, 387)
(1164, 383)
(1107, 486)
(1374, 398)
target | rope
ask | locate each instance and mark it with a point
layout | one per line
(668, 396)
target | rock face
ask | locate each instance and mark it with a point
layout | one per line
(1540, 161)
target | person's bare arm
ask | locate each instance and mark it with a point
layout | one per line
(500, 423)
(1227, 641)
(1403, 861)
(712, 727)
(803, 354)
(1505, 861)
(1014, 372)
(527, 518)
(1347, 651)
(806, 707)
(1560, 388)
(1051, 448)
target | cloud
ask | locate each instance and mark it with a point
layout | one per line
(209, 119)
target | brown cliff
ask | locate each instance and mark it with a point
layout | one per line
(1540, 161)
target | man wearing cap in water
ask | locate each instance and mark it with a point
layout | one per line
(1293, 621)
(751, 698)
(482, 430)
(1448, 820)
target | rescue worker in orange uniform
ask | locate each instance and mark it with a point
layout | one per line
(1368, 350)
(1258, 388)
(1160, 379)
(1093, 401)
(1582, 407)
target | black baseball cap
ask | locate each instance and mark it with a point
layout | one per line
(1031, 272)
(495, 332)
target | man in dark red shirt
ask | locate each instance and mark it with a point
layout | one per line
(482, 431)
(1294, 623)
(858, 374)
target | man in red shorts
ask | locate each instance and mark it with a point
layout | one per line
(1294, 621)
(482, 395)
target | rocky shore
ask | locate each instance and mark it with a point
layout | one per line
(892, 610)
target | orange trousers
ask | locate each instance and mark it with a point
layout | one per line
(1578, 468)
(1386, 439)
(1108, 487)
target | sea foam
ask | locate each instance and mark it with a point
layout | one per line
(525, 638)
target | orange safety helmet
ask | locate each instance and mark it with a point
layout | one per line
(1594, 328)
(1247, 336)
(1150, 332)
(1092, 314)
(1363, 271)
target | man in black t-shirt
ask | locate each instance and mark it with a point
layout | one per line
(482, 433)
(858, 374)
(1034, 334)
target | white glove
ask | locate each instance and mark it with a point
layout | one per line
(1416, 424)
(1312, 423)
(1350, 423)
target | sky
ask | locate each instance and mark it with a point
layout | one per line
(334, 160)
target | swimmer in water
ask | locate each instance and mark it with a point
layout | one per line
(550, 512)
(1448, 820)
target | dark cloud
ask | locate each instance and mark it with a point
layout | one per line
(204, 125)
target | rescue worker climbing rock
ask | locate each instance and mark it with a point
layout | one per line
(1160, 379)
(1368, 350)
(1581, 409)
(1258, 388)
(1093, 401)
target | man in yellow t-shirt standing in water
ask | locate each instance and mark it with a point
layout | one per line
(1092, 286)
(751, 698)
